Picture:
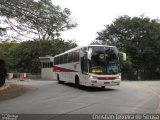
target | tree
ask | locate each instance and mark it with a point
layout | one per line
(42, 18)
(139, 37)
(100, 42)
(28, 53)
(6, 53)
(2, 30)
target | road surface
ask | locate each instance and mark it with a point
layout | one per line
(53, 98)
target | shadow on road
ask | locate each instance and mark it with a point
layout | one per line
(89, 89)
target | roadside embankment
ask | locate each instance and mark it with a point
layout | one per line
(4, 87)
(9, 91)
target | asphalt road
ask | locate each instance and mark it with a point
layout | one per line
(54, 98)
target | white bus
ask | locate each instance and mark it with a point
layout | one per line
(92, 65)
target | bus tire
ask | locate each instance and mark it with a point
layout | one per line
(77, 82)
(103, 87)
(58, 79)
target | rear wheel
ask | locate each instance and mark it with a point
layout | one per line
(77, 82)
(103, 87)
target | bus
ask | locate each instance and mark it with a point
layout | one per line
(92, 65)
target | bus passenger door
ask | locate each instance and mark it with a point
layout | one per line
(84, 64)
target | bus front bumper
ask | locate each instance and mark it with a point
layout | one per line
(100, 83)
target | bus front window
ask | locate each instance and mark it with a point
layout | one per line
(104, 60)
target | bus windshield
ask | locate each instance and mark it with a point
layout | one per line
(104, 60)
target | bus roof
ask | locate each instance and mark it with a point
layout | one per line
(77, 48)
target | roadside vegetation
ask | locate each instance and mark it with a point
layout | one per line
(139, 37)
(35, 28)
(30, 29)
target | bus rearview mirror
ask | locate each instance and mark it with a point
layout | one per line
(89, 55)
(124, 56)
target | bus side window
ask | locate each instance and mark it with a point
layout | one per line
(61, 59)
(70, 57)
(65, 58)
(57, 60)
(76, 56)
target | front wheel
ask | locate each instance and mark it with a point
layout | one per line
(59, 81)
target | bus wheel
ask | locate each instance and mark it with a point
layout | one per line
(103, 87)
(58, 79)
(77, 82)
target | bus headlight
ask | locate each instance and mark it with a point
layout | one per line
(118, 77)
(92, 77)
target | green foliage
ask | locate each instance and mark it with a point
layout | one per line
(6, 53)
(139, 37)
(24, 56)
(98, 42)
(28, 53)
(32, 18)
(40, 18)
(127, 68)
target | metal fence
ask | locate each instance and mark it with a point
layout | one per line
(11, 76)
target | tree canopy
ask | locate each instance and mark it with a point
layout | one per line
(41, 19)
(139, 37)
(24, 56)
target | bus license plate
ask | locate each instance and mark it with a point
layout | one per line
(106, 82)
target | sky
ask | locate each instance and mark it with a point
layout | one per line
(92, 15)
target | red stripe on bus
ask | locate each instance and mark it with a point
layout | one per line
(106, 78)
(60, 69)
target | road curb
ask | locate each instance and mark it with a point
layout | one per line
(5, 87)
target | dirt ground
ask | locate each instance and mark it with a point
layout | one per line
(13, 91)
